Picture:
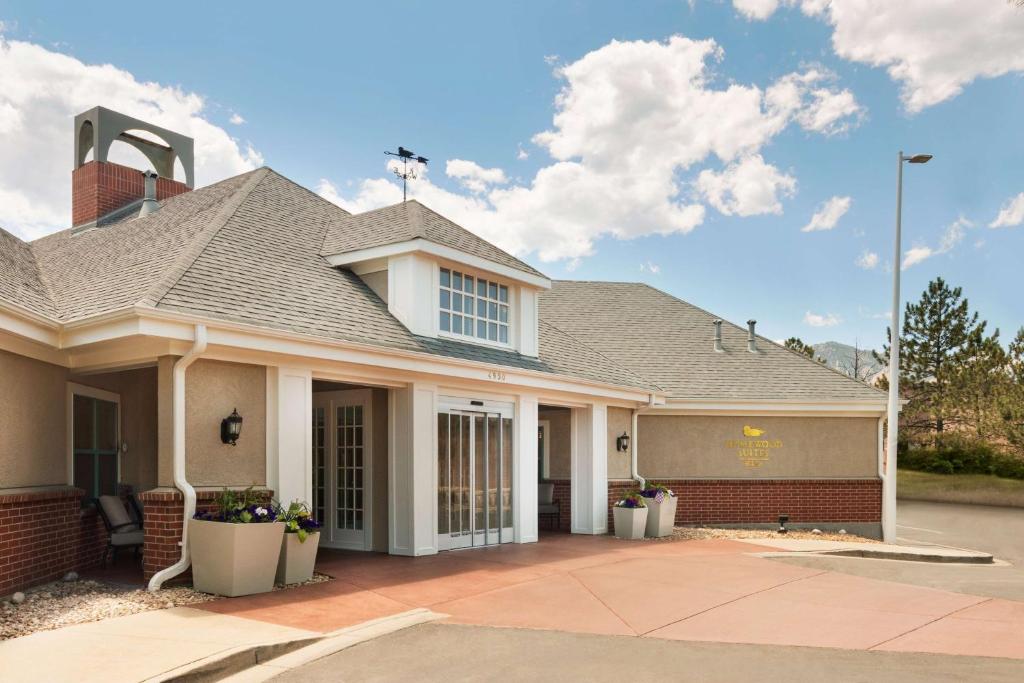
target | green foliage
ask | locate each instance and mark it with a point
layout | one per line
(797, 344)
(297, 519)
(240, 507)
(956, 456)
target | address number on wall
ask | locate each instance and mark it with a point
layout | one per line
(497, 376)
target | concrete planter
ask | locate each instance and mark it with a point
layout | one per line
(661, 517)
(234, 559)
(630, 522)
(297, 558)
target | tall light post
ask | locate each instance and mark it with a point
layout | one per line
(889, 484)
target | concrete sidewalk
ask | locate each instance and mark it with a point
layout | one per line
(886, 551)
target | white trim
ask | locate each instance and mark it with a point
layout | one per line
(420, 244)
(72, 389)
(766, 408)
(545, 472)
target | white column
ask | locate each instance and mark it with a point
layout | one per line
(590, 470)
(412, 470)
(289, 433)
(525, 470)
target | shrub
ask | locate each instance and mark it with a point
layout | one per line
(954, 456)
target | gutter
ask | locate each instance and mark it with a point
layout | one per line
(633, 442)
(189, 493)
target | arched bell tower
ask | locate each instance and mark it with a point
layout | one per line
(100, 187)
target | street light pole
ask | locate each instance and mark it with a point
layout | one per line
(889, 483)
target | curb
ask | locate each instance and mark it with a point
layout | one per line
(979, 558)
(253, 663)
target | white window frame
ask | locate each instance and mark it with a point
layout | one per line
(73, 390)
(545, 473)
(476, 275)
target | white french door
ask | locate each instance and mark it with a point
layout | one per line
(342, 464)
(474, 475)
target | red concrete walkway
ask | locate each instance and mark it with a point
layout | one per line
(681, 590)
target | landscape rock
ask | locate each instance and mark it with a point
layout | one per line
(71, 576)
(815, 531)
(18, 598)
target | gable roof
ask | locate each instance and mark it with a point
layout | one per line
(670, 342)
(21, 282)
(408, 221)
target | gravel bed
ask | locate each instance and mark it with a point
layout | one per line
(699, 533)
(63, 603)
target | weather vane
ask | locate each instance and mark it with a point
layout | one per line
(406, 156)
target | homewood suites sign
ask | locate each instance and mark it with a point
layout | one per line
(753, 451)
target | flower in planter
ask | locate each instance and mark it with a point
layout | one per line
(239, 507)
(297, 519)
(656, 491)
(633, 499)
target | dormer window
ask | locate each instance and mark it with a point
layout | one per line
(473, 307)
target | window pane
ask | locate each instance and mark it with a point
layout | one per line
(492, 311)
(503, 314)
(481, 287)
(106, 426)
(481, 329)
(504, 293)
(481, 308)
(457, 324)
(446, 322)
(492, 290)
(469, 283)
(503, 334)
(83, 422)
(457, 301)
(468, 307)
(445, 299)
(446, 277)
(492, 331)
(85, 474)
(108, 475)
(456, 280)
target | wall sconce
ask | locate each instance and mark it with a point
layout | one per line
(231, 428)
(622, 442)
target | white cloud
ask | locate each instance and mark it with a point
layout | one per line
(521, 154)
(473, 176)
(817, 320)
(40, 93)
(756, 10)
(828, 214)
(236, 119)
(950, 238)
(746, 188)
(816, 106)
(868, 260)
(1011, 214)
(649, 267)
(933, 48)
(630, 117)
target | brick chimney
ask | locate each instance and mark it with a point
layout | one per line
(100, 187)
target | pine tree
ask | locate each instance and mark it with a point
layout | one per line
(797, 344)
(940, 335)
(1011, 400)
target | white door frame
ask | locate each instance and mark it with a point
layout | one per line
(330, 536)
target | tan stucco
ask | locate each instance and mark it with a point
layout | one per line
(811, 447)
(212, 390)
(620, 420)
(559, 441)
(33, 442)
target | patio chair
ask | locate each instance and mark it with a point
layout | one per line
(122, 531)
(547, 506)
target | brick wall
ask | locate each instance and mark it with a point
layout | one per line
(99, 187)
(163, 511)
(563, 496)
(740, 501)
(44, 534)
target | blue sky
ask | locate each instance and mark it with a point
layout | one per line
(324, 91)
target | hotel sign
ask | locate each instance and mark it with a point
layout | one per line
(752, 450)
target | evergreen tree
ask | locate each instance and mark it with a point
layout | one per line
(797, 344)
(940, 336)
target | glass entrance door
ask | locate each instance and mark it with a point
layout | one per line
(341, 468)
(474, 477)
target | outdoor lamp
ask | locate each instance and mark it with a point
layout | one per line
(782, 523)
(622, 442)
(231, 428)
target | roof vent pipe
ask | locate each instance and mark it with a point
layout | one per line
(718, 335)
(751, 339)
(149, 203)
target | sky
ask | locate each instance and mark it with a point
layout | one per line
(739, 154)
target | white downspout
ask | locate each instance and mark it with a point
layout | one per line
(178, 451)
(633, 442)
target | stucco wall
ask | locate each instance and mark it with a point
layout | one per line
(680, 447)
(33, 445)
(212, 390)
(559, 441)
(619, 420)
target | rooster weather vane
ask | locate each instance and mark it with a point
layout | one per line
(406, 173)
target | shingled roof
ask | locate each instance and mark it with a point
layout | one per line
(669, 342)
(247, 250)
(407, 221)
